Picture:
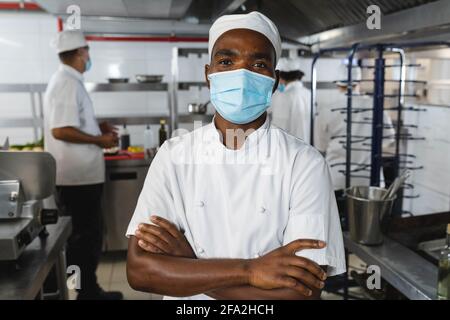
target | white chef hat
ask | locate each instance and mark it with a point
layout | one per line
(253, 21)
(69, 40)
(288, 64)
(342, 74)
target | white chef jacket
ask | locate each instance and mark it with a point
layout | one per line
(243, 203)
(291, 111)
(67, 104)
(330, 130)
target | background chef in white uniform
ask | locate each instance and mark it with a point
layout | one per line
(290, 108)
(330, 130)
(227, 213)
(74, 138)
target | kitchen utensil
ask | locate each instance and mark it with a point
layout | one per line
(398, 182)
(366, 209)
(118, 80)
(198, 108)
(147, 78)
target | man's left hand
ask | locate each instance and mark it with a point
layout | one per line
(163, 238)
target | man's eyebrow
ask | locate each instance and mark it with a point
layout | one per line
(261, 55)
(226, 52)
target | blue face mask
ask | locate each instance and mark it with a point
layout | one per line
(240, 96)
(88, 65)
(281, 87)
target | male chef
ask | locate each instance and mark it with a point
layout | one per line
(237, 209)
(75, 139)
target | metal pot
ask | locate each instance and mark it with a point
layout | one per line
(147, 78)
(198, 108)
(366, 209)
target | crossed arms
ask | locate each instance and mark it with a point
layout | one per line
(161, 260)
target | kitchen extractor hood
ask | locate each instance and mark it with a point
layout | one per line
(318, 23)
(153, 9)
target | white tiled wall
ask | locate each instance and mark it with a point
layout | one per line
(432, 182)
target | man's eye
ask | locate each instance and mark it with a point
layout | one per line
(225, 62)
(260, 65)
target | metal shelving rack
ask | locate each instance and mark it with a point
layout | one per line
(37, 90)
(36, 105)
(373, 144)
(176, 86)
(402, 160)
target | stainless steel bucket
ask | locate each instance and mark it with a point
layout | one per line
(365, 213)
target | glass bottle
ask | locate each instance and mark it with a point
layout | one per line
(162, 132)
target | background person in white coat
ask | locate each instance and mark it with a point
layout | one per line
(75, 139)
(290, 108)
(330, 131)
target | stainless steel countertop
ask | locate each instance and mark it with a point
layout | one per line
(128, 163)
(25, 282)
(404, 269)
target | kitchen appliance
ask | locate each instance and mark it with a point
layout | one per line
(26, 179)
(198, 108)
(366, 210)
(147, 78)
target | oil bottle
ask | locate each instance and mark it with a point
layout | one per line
(162, 132)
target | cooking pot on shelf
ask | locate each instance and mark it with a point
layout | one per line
(198, 108)
(149, 78)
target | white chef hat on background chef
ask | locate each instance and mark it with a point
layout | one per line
(68, 40)
(253, 21)
(288, 64)
(342, 73)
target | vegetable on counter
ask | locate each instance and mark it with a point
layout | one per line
(135, 149)
(33, 146)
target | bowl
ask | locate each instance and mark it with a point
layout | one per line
(111, 151)
(197, 108)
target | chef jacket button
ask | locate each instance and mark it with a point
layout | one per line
(262, 210)
(200, 250)
(200, 204)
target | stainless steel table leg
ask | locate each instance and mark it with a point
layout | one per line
(61, 276)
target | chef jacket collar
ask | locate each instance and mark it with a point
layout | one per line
(292, 83)
(77, 75)
(252, 139)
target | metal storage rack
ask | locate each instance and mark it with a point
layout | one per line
(177, 86)
(36, 92)
(402, 160)
(36, 104)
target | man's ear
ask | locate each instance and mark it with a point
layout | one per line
(206, 74)
(277, 80)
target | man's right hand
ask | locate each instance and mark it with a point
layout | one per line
(281, 268)
(107, 140)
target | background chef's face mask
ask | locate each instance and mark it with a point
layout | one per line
(240, 96)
